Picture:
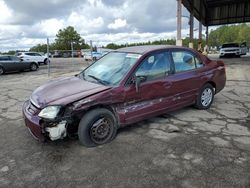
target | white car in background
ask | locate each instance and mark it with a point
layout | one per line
(33, 56)
(233, 49)
(94, 56)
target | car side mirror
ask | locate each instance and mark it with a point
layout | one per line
(138, 81)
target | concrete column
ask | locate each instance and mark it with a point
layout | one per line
(191, 31)
(200, 38)
(179, 12)
(200, 31)
(206, 47)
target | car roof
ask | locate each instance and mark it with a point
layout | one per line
(146, 48)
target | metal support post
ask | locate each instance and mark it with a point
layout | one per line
(179, 12)
(48, 61)
(191, 31)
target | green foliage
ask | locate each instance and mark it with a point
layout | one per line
(63, 41)
(39, 48)
(231, 33)
(11, 52)
(65, 37)
(157, 42)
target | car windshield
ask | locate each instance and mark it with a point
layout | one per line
(110, 69)
(231, 45)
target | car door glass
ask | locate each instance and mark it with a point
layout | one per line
(155, 66)
(183, 61)
(198, 62)
(4, 58)
(14, 58)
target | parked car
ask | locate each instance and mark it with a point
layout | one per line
(125, 86)
(234, 49)
(13, 63)
(95, 56)
(33, 57)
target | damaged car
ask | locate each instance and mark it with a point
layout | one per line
(123, 87)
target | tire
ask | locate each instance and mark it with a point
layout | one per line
(97, 127)
(205, 97)
(33, 67)
(46, 61)
(1, 70)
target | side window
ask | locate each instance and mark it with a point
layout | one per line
(155, 66)
(37, 54)
(4, 58)
(183, 61)
(14, 58)
(198, 62)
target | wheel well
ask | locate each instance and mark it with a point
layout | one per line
(99, 106)
(213, 84)
(102, 106)
(2, 67)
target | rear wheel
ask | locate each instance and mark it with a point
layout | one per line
(1, 70)
(46, 61)
(33, 67)
(205, 97)
(97, 127)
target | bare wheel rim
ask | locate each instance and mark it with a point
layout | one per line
(102, 130)
(206, 97)
(33, 67)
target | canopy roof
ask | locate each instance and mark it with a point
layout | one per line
(218, 12)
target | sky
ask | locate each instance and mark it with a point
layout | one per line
(26, 23)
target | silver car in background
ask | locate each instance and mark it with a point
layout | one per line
(13, 64)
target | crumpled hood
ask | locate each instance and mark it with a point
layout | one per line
(64, 91)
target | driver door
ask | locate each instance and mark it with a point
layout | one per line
(153, 95)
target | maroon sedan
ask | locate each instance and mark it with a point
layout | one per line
(124, 87)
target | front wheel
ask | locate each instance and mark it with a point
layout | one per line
(46, 61)
(205, 97)
(97, 127)
(33, 67)
(1, 70)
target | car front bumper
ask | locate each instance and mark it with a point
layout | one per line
(32, 120)
(224, 53)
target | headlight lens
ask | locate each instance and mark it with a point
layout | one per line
(49, 112)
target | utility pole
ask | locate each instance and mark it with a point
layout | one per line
(72, 49)
(48, 61)
(179, 12)
(91, 49)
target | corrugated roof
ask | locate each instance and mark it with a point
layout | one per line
(218, 12)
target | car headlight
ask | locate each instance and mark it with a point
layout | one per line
(49, 112)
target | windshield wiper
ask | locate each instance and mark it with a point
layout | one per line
(99, 80)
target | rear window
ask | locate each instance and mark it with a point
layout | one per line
(4, 58)
(230, 45)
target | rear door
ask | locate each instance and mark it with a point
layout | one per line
(19, 65)
(7, 63)
(187, 80)
(154, 94)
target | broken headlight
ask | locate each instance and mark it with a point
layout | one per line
(49, 112)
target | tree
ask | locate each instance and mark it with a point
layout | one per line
(232, 33)
(66, 36)
(39, 48)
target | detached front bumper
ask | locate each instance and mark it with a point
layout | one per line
(31, 119)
